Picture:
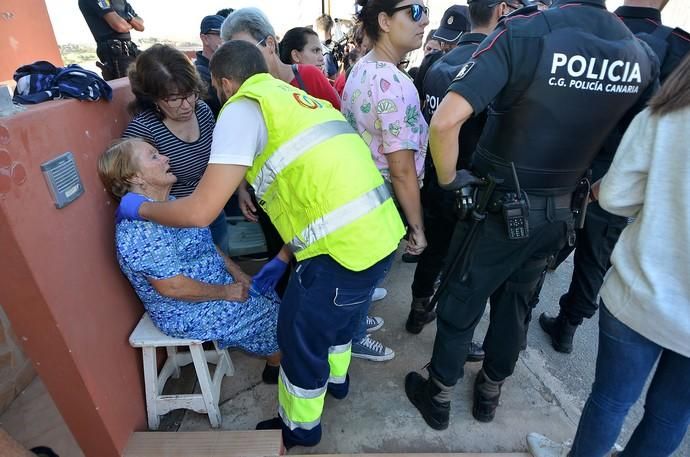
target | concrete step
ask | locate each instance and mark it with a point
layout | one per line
(260, 443)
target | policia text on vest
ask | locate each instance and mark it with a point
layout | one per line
(596, 74)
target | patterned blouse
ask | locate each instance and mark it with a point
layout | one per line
(382, 104)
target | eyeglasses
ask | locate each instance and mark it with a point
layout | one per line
(262, 42)
(416, 11)
(176, 102)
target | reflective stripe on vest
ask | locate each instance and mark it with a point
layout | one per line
(294, 148)
(339, 360)
(298, 407)
(340, 217)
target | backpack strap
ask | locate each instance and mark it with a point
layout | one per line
(298, 77)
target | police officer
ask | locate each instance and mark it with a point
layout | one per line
(110, 22)
(555, 82)
(454, 23)
(209, 34)
(596, 240)
(438, 204)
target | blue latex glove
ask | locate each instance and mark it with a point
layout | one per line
(267, 278)
(129, 207)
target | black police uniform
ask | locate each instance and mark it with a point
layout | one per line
(596, 240)
(427, 62)
(438, 204)
(115, 50)
(554, 84)
(202, 66)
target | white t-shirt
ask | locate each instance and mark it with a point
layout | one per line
(240, 134)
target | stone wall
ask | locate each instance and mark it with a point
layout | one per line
(16, 370)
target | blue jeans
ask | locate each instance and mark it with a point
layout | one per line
(219, 232)
(624, 363)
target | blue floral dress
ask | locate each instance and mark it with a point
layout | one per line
(149, 250)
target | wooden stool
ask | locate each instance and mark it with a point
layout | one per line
(147, 336)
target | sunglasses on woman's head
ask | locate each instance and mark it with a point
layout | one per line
(416, 11)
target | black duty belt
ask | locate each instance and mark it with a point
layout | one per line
(536, 202)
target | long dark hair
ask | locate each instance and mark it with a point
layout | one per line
(295, 38)
(158, 72)
(368, 15)
(674, 95)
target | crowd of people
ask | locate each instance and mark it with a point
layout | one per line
(529, 130)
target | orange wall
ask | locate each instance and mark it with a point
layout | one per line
(26, 35)
(70, 306)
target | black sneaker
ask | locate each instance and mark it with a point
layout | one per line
(560, 330)
(419, 391)
(270, 374)
(417, 319)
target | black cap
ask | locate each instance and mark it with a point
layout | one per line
(211, 24)
(455, 22)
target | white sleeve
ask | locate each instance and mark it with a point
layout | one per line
(240, 134)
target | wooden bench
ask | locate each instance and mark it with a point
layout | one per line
(147, 337)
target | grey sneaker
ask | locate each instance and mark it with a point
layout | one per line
(370, 349)
(379, 294)
(374, 323)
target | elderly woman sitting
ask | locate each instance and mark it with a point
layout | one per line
(189, 288)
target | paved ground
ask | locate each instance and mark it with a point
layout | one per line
(545, 394)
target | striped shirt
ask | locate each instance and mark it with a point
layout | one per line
(188, 161)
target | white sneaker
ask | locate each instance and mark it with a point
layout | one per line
(541, 446)
(379, 294)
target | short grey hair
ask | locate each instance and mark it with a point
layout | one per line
(248, 20)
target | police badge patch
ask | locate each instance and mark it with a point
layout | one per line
(464, 70)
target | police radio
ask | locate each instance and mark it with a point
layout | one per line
(516, 211)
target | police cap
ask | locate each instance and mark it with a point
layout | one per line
(211, 24)
(455, 22)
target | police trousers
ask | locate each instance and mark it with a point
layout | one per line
(116, 57)
(593, 247)
(319, 313)
(506, 272)
(439, 224)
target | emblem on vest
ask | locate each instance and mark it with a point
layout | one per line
(464, 70)
(307, 101)
(595, 74)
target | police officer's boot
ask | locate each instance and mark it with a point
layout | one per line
(486, 395)
(561, 330)
(419, 316)
(431, 398)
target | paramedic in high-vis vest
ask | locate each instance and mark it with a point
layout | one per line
(314, 177)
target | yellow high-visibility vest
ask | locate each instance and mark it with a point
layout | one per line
(316, 179)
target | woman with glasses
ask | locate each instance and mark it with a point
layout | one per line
(382, 104)
(169, 115)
